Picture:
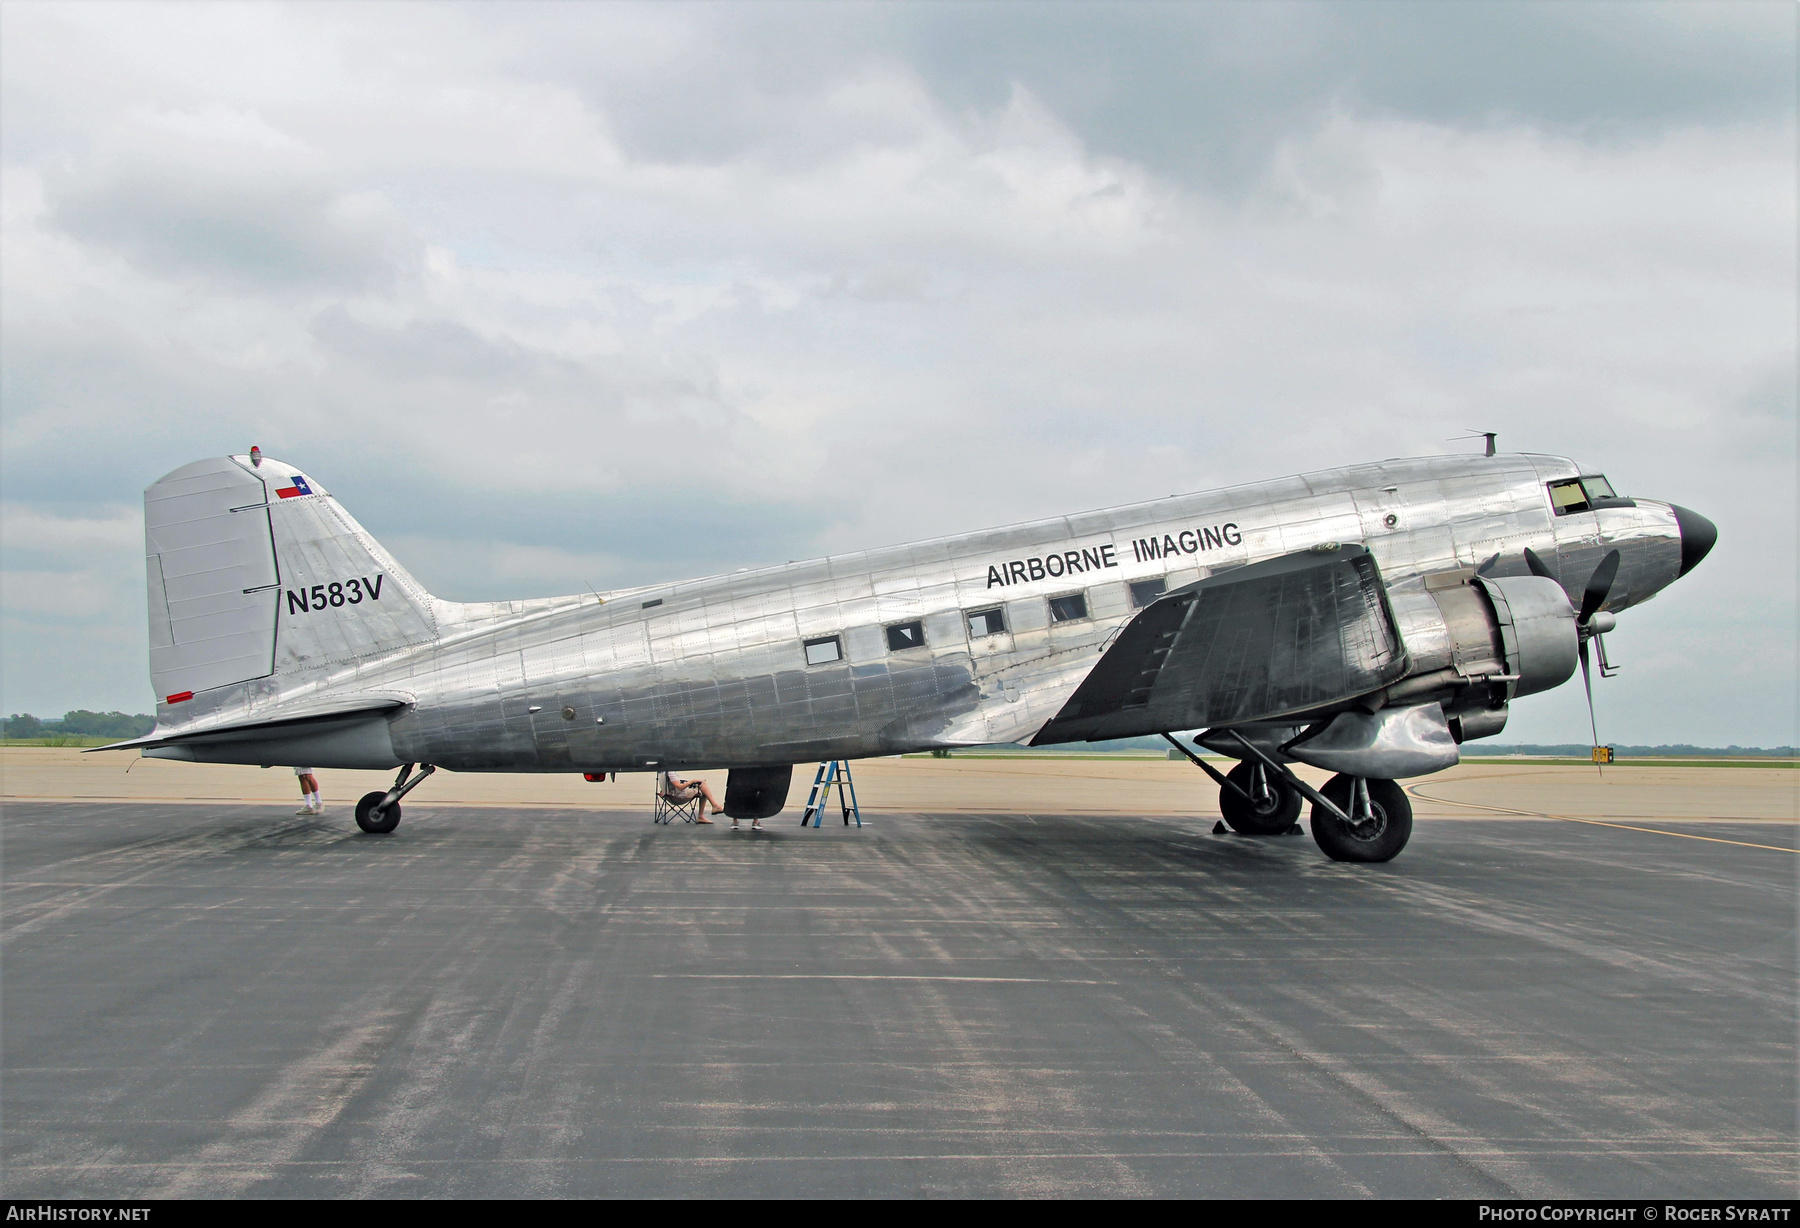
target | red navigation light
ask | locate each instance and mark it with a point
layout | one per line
(255, 455)
(179, 697)
(594, 778)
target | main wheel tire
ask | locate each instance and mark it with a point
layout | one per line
(1277, 812)
(373, 823)
(1377, 838)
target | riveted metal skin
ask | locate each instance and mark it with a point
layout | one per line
(712, 673)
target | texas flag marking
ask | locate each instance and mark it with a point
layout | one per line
(296, 490)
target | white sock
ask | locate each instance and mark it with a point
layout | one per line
(312, 799)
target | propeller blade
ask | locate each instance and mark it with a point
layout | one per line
(1598, 586)
(1587, 684)
(1537, 565)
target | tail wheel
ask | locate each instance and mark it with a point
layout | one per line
(1377, 835)
(376, 823)
(1273, 806)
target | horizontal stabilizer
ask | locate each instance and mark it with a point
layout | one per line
(274, 720)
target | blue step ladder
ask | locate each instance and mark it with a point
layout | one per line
(832, 772)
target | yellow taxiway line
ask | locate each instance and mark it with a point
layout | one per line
(1564, 818)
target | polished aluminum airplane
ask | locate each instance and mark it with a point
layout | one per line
(1364, 620)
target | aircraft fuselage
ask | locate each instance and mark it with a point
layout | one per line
(716, 672)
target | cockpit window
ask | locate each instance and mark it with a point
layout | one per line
(1584, 494)
(1566, 497)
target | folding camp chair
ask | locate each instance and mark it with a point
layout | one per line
(669, 808)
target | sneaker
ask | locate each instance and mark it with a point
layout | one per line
(305, 810)
(734, 825)
(756, 826)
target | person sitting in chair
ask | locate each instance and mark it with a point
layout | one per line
(678, 790)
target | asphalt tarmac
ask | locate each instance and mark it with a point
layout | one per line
(226, 1000)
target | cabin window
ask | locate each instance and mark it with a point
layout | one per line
(1068, 609)
(1597, 487)
(986, 622)
(1566, 497)
(1143, 592)
(824, 651)
(902, 636)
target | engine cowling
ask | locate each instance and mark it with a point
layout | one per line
(1476, 643)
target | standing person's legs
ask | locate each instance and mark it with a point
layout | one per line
(309, 791)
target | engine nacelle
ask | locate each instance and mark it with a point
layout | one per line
(757, 793)
(1475, 643)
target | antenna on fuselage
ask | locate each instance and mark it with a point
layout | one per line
(1490, 436)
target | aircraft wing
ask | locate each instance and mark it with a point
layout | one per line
(1255, 642)
(276, 719)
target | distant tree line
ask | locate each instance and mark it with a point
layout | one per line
(81, 723)
(1674, 750)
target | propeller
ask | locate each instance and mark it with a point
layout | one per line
(1590, 624)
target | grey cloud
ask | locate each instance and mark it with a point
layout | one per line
(1206, 91)
(847, 287)
(256, 228)
(1200, 92)
(422, 349)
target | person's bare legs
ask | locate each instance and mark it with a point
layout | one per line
(309, 789)
(708, 798)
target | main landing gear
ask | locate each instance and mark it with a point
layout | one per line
(379, 813)
(1373, 819)
(1263, 804)
(1354, 818)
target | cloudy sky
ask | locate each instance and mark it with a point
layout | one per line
(583, 295)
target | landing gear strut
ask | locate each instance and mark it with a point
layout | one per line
(379, 813)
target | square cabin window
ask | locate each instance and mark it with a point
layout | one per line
(1068, 609)
(902, 636)
(986, 622)
(1566, 497)
(824, 651)
(1143, 592)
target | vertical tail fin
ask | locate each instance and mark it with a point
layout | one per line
(255, 570)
